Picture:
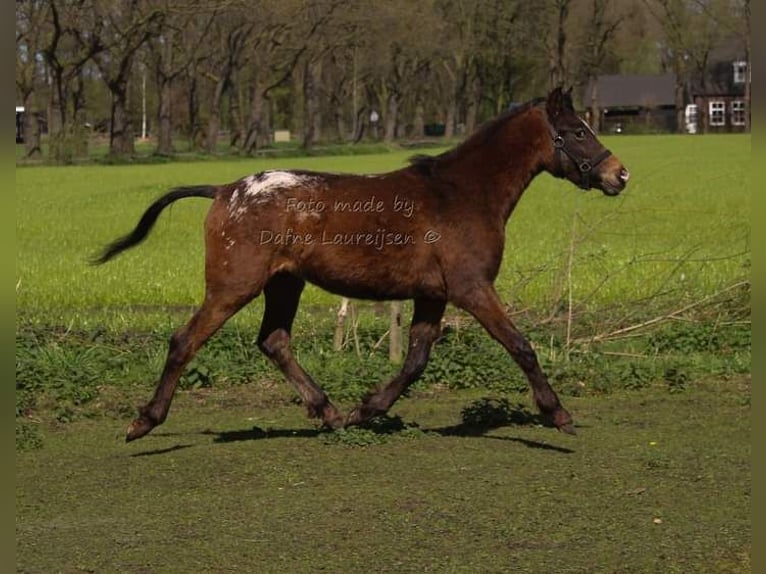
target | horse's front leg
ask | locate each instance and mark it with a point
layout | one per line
(425, 329)
(485, 305)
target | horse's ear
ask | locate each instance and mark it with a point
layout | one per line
(568, 99)
(554, 104)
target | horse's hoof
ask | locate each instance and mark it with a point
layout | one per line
(359, 416)
(333, 422)
(137, 429)
(353, 418)
(562, 420)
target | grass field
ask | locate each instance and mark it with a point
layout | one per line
(463, 478)
(654, 483)
(682, 230)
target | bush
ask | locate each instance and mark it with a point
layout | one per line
(62, 372)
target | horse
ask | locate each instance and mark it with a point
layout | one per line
(433, 232)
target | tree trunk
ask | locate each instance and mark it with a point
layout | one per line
(558, 71)
(236, 120)
(679, 102)
(196, 133)
(265, 134)
(449, 123)
(79, 131)
(31, 126)
(214, 121)
(213, 125)
(254, 120)
(164, 117)
(121, 133)
(418, 122)
(57, 119)
(32, 147)
(360, 124)
(679, 95)
(392, 111)
(340, 123)
(595, 111)
(471, 109)
(311, 112)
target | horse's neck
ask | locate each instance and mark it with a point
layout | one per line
(517, 157)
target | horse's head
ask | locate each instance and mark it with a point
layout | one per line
(577, 154)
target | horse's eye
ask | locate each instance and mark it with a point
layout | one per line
(580, 134)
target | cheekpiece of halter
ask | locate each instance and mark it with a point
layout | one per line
(585, 166)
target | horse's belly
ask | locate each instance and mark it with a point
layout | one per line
(381, 277)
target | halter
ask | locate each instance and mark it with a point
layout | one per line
(584, 165)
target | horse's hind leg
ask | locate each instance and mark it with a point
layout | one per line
(218, 306)
(282, 293)
(485, 305)
(425, 329)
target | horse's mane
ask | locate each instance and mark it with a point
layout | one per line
(427, 165)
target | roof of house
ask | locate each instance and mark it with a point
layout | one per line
(633, 90)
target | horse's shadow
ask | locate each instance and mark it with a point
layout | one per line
(160, 451)
(487, 414)
(257, 433)
(478, 418)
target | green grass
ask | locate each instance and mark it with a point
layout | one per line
(680, 233)
(239, 481)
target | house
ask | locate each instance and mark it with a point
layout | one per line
(633, 103)
(718, 101)
(715, 99)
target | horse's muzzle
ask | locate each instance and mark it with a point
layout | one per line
(614, 181)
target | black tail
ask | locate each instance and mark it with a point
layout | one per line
(150, 216)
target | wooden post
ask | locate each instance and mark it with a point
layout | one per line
(395, 333)
(340, 323)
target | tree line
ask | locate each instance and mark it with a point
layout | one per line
(207, 74)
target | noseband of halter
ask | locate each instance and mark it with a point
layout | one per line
(585, 165)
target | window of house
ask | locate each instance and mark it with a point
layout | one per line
(717, 113)
(738, 113)
(740, 72)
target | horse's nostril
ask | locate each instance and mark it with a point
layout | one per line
(624, 175)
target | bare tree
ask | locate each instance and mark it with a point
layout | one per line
(30, 27)
(602, 28)
(320, 67)
(458, 61)
(559, 74)
(672, 16)
(127, 26)
(317, 38)
(72, 41)
(229, 36)
(266, 74)
(180, 37)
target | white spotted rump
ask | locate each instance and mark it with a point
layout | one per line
(263, 187)
(268, 182)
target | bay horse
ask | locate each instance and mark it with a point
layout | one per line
(433, 232)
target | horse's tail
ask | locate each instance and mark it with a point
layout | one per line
(148, 219)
